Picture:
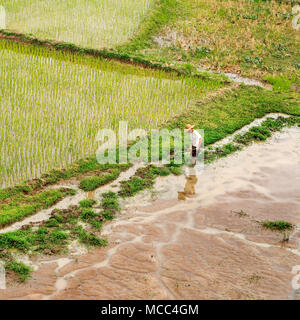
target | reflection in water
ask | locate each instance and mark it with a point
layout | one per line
(91, 195)
(189, 189)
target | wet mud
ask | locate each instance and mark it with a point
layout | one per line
(193, 236)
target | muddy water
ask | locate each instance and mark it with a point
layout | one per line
(194, 237)
(271, 170)
(72, 200)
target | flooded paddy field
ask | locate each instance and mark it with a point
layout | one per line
(193, 236)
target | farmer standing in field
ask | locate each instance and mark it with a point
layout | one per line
(196, 141)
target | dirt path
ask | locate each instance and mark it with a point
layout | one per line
(208, 246)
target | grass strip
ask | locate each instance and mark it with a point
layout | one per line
(76, 169)
(25, 205)
(123, 62)
(144, 178)
(255, 134)
(92, 183)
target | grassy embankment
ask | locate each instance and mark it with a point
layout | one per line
(252, 38)
(235, 109)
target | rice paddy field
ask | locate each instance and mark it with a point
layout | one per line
(88, 23)
(57, 90)
(52, 104)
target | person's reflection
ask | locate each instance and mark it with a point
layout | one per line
(189, 189)
(91, 195)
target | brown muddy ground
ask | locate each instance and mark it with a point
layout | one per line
(199, 238)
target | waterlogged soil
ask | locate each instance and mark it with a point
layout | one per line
(193, 236)
(45, 214)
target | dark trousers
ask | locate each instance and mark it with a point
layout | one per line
(194, 152)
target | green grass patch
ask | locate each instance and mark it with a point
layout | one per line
(80, 167)
(175, 170)
(87, 203)
(88, 238)
(162, 13)
(260, 133)
(110, 201)
(264, 131)
(279, 83)
(226, 114)
(54, 235)
(279, 225)
(219, 152)
(254, 39)
(144, 178)
(92, 183)
(22, 206)
(132, 186)
(88, 213)
(19, 268)
(24, 200)
(255, 134)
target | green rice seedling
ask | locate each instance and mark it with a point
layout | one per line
(54, 103)
(144, 178)
(110, 205)
(164, 171)
(57, 236)
(92, 24)
(259, 133)
(274, 124)
(52, 223)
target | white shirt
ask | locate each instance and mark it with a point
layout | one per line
(195, 137)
